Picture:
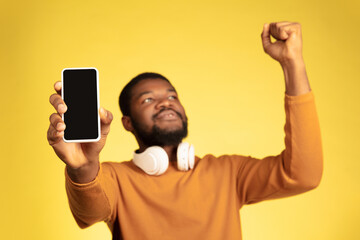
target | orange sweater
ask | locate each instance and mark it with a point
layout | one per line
(202, 203)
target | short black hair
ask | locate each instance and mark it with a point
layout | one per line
(125, 95)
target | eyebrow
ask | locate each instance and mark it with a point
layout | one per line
(147, 92)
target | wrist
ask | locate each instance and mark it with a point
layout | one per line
(296, 80)
(85, 173)
(292, 63)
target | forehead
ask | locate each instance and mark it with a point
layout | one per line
(150, 85)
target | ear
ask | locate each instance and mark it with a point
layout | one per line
(126, 121)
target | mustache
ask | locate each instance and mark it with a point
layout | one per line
(164, 109)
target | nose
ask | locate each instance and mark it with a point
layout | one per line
(163, 103)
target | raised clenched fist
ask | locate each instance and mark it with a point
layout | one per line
(287, 49)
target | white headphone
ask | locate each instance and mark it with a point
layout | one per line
(154, 160)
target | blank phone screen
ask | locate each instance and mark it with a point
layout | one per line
(80, 95)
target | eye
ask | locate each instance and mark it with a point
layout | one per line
(172, 97)
(147, 100)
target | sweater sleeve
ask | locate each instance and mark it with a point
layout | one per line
(296, 169)
(94, 201)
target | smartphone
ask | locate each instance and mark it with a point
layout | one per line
(80, 92)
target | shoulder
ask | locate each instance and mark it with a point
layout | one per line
(223, 161)
(225, 157)
(118, 168)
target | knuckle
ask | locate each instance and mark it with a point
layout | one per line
(55, 134)
(50, 135)
(54, 98)
(51, 98)
(273, 26)
(54, 118)
(297, 25)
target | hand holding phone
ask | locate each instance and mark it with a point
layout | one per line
(81, 158)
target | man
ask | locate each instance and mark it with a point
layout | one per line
(204, 202)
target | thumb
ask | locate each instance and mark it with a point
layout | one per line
(265, 37)
(106, 118)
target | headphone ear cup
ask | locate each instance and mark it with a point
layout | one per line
(183, 156)
(191, 156)
(163, 160)
(153, 161)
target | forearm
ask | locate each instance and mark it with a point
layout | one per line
(88, 201)
(296, 81)
(302, 158)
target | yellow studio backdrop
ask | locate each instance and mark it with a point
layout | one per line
(232, 91)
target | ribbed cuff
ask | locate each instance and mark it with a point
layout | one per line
(83, 185)
(300, 98)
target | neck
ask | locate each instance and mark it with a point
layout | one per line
(170, 150)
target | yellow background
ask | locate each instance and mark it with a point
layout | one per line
(232, 91)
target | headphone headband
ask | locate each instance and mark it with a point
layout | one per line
(155, 161)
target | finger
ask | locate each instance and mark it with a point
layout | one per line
(57, 87)
(292, 30)
(58, 103)
(106, 118)
(53, 135)
(283, 30)
(279, 24)
(277, 30)
(265, 37)
(57, 122)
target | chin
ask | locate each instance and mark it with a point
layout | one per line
(170, 126)
(170, 129)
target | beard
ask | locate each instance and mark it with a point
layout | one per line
(161, 137)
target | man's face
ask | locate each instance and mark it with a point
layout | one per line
(157, 116)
